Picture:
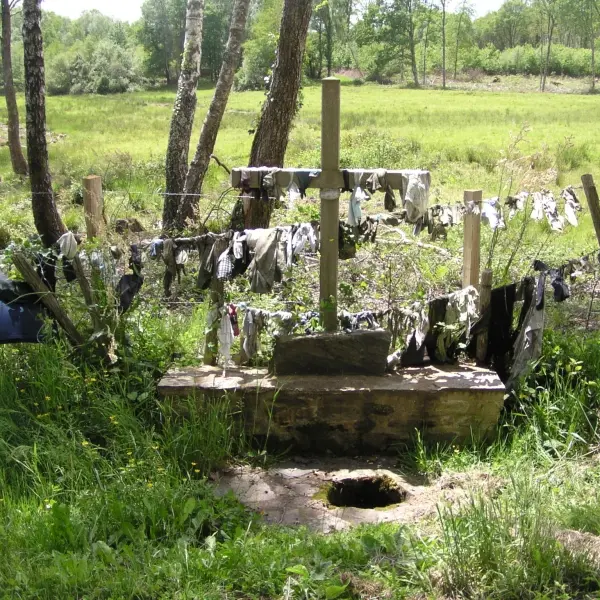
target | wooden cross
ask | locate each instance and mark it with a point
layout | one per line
(330, 181)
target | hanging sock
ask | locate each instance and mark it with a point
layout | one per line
(491, 214)
(537, 214)
(572, 206)
(551, 211)
(358, 195)
(226, 337)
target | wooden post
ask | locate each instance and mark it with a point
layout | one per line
(47, 297)
(216, 301)
(485, 299)
(592, 199)
(93, 206)
(330, 201)
(472, 233)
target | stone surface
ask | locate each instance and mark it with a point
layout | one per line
(347, 414)
(360, 352)
(294, 492)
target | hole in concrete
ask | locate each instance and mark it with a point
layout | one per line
(366, 492)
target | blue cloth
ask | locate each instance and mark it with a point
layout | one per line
(21, 323)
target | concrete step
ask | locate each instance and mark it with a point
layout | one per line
(347, 414)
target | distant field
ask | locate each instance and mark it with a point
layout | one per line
(450, 127)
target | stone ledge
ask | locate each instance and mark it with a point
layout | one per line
(346, 414)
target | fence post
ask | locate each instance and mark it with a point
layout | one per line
(472, 233)
(330, 202)
(216, 302)
(93, 206)
(592, 199)
(485, 299)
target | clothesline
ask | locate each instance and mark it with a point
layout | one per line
(437, 326)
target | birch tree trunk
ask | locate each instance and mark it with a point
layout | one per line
(278, 111)
(45, 214)
(184, 110)
(210, 128)
(19, 164)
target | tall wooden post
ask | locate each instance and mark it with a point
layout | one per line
(93, 206)
(592, 199)
(330, 201)
(472, 247)
(216, 302)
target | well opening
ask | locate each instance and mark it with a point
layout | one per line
(365, 492)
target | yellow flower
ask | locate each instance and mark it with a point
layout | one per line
(196, 470)
(48, 398)
(149, 484)
(194, 464)
(129, 453)
(85, 443)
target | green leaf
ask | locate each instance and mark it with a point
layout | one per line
(298, 570)
(188, 508)
(335, 591)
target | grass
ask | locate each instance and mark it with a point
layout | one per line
(103, 498)
(105, 489)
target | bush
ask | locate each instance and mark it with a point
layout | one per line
(110, 69)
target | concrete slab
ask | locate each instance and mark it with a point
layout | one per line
(347, 414)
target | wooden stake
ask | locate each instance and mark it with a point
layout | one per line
(592, 199)
(88, 294)
(330, 201)
(472, 233)
(216, 302)
(93, 206)
(485, 299)
(47, 297)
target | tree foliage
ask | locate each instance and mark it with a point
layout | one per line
(377, 40)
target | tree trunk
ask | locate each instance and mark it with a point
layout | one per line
(425, 44)
(547, 62)
(320, 48)
(45, 214)
(457, 43)
(210, 128)
(329, 31)
(593, 36)
(182, 120)
(278, 111)
(444, 44)
(19, 164)
(411, 41)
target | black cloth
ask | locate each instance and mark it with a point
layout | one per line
(500, 331)
(135, 259)
(240, 265)
(557, 281)
(413, 356)
(46, 270)
(21, 323)
(16, 291)
(128, 288)
(437, 314)
(68, 270)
